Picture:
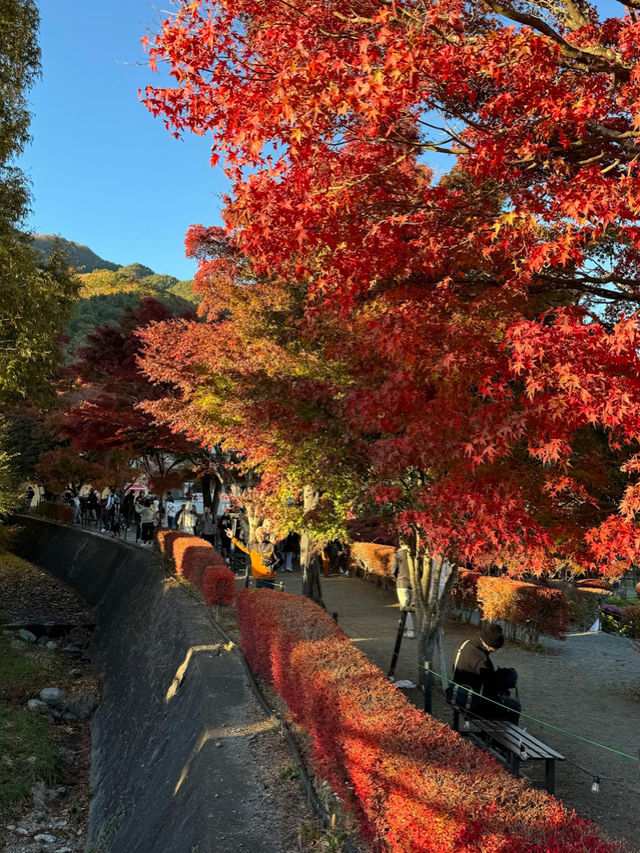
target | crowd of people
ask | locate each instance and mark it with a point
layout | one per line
(114, 512)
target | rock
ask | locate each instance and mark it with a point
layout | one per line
(22, 831)
(45, 838)
(42, 641)
(76, 673)
(27, 636)
(82, 705)
(37, 705)
(51, 645)
(54, 696)
(67, 754)
(64, 850)
(39, 794)
(11, 826)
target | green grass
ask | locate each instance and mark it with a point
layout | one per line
(622, 602)
(28, 754)
(25, 671)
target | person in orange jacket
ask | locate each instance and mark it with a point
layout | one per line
(262, 556)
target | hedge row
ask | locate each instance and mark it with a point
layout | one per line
(464, 596)
(198, 562)
(373, 560)
(414, 785)
(538, 609)
(58, 512)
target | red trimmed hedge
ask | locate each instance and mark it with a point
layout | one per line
(197, 561)
(373, 559)
(414, 784)
(218, 585)
(58, 512)
(192, 556)
(464, 596)
(167, 538)
(537, 609)
(594, 583)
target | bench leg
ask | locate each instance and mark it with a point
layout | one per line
(515, 765)
(456, 720)
(550, 774)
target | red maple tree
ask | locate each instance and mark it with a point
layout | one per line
(105, 405)
(487, 362)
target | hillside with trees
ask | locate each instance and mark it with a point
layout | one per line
(77, 255)
(105, 294)
(108, 289)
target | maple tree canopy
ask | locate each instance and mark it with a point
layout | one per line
(480, 325)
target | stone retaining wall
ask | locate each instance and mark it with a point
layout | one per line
(170, 690)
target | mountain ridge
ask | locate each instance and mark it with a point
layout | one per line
(78, 255)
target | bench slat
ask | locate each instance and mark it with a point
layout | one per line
(514, 738)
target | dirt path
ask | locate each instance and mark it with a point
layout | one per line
(588, 685)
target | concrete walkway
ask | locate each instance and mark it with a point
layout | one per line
(369, 615)
(584, 688)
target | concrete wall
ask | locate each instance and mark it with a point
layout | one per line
(163, 776)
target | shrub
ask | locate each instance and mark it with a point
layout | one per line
(218, 585)
(373, 559)
(57, 512)
(414, 785)
(584, 605)
(594, 583)
(464, 596)
(192, 556)
(621, 620)
(534, 609)
(167, 538)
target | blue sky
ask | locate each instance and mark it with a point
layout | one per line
(104, 172)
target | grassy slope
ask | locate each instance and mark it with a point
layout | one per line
(28, 752)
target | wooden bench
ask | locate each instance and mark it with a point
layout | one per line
(509, 743)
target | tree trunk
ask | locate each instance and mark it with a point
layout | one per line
(206, 490)
(215, 496)
(432, 579)
(310, 499)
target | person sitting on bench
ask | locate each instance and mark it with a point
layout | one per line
(474, 669)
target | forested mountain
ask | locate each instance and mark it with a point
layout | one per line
(106, 293)
(107, 288)
(77, 255)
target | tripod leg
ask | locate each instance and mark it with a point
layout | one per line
(396, 651)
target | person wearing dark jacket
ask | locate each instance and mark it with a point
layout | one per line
(404, 590)
(473, 668)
